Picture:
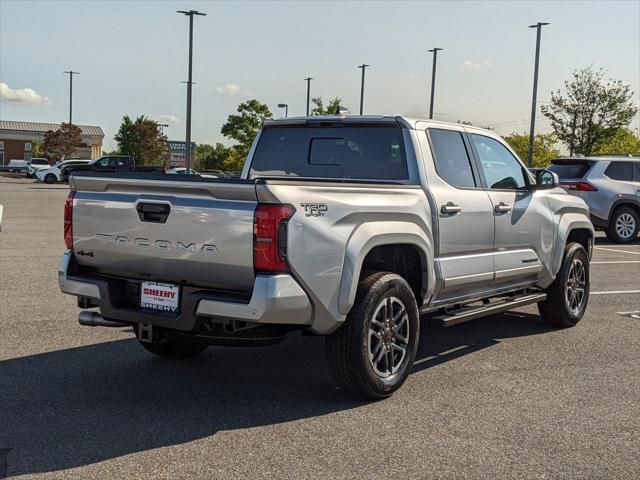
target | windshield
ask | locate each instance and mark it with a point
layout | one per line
(577, 169)
(372, 152)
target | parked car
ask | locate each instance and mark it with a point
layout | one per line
(18, 165)
(346, 227)
(611, 188)
(190, 171)
(36, 164)
(112, 164)
(55, 173)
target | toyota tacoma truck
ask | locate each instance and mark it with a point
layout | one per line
(350, 227)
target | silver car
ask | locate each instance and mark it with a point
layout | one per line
(611, 188)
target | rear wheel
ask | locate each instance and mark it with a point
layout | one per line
(568, 295)
(372, 353)
(623, 226)
(175, 348)
(50, 178)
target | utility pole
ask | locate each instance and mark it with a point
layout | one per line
(363, 67)
(433, 78)
(71, 74)
(532, 130)
(190, 14)
(308, 80)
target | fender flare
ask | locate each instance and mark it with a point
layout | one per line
(568, 222)
(375, 234)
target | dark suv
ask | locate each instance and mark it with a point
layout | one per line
(611, 188)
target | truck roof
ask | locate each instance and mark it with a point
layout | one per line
(407, 122)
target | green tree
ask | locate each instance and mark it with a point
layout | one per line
(62, 142)
(320, 109)
(591, 110)
(544, 149)
(208, 157)
(142, 139)
(243, 127)
(36, 148)
(623, 142)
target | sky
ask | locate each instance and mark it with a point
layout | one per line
(132, 58)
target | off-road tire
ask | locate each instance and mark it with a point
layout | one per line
(555, 310)
(612, 231)
(347, 349)
(175, 348)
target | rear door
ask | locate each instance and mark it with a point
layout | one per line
(464, 216)
(524, 228)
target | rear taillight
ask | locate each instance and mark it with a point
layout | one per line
(579, 186)
(68, 220)
(270, 237)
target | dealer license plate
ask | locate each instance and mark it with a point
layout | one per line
(160, 296)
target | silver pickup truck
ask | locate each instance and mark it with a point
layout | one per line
(349, 227)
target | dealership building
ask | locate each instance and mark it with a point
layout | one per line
(16, 140)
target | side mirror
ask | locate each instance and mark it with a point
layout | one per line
(546, 180)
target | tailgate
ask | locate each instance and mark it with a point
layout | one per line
(193, 232)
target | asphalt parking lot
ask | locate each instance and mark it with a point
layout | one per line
(501, 397)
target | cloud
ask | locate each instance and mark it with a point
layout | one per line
(167, 118)
(229, 90)
(469, 66)
(23, 97)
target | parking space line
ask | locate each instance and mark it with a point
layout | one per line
(614, 292)
(619, 251)
(615, 261)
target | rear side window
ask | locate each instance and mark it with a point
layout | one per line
(365, 153)
(451, 157)
(622, 171)
(567, 170)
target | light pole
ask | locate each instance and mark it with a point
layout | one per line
(433, 78)
(190, 14)
(538, 27)
(286, 109)
(363, 67)
(71, 74)
(308, 80)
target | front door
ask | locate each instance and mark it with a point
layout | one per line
(463, 215)
(524, 228)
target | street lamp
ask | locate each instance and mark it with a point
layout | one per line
(190, 14)
(308, 80)
(286, 109)
(363, 67)
(71, 74)
(538, 26)
(433, 78)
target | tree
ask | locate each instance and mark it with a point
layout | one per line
(543, 147)
(36, 148)
(143, 140)
(623, 142)
(591, 110)
(62, 142)
(319, 108)
(244, 126)
(208, 157)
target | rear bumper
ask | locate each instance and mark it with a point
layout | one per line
(276, 299)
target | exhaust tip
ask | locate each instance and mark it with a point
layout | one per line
(93, 319)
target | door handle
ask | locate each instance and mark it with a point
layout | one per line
(502, 208)
(450, 209)
(153, 212)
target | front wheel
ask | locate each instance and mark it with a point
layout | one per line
(50, 178)
(568, 295)
(371, 355)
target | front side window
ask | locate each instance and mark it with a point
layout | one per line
(451, 158)
(105, 162)
(343, 152)
(622, 171)
(501, 169)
